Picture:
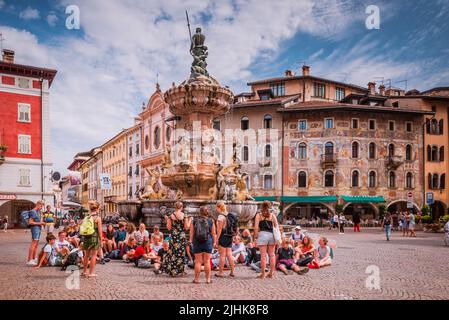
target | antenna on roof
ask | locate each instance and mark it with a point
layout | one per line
(1, 41)
(382, 80)
(406, 83)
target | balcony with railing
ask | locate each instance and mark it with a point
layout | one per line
(328, 160)
(394, 162)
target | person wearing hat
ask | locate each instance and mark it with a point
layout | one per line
(297, 235)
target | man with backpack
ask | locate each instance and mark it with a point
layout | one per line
(386, 223)
(32, 219)
(227, 228)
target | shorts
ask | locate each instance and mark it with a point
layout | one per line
(202, 247)
(411, 226)
(265, 238)
(35, 233)
(50, 227)
(225, 241)
(285, 262)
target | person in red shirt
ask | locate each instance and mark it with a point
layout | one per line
(143, 255)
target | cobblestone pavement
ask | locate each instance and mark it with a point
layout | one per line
(415, 268)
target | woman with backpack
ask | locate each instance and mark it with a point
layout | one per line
(177, 225)
(264, 238)
(92, 233)
(386, 223)
(226, 229)
(203, 236)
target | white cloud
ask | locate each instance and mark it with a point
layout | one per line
(52, 19)
(29, 14)
(2, 3)
(105, 75)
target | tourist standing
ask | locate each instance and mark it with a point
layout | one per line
(411, 225)
(203, 236)
(5, 224)
(227, 227)
(91, 243)
(176, 225)
(264, 238)
(49, 219)
(356, 221)
(35, 224)
(405, 224)
(386, 224)
(341, 222)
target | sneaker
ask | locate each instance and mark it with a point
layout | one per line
(31, 263)
(107, 260)
(157, 271)
(303, 271)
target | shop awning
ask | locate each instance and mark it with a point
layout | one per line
(309, 199)
(363, 199)
(267, 198)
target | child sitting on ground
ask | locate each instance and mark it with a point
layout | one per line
(285, 260)
(161, 260)
(129, 250)
(322, 255)
(143, 255)
(47, 256)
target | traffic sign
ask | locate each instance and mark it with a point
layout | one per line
(429, 198)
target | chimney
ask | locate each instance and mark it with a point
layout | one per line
(288, 73)
(372, 88)
(305, 70)
(8, 56)
(382, 90)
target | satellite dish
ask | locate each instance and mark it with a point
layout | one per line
(56, 176)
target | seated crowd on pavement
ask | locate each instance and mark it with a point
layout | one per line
(201, 243)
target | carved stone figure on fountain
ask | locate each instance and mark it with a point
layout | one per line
(242, 192)
(153, 191)
(199, 53)
(167, 163)
(208, 147)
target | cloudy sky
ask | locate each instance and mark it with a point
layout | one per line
(108, 67)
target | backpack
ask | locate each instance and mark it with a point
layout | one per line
(387, 222)
(25, 218)
(87, 227)
(231, 225)
(201, 230)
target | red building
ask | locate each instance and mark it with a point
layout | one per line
(25, 145)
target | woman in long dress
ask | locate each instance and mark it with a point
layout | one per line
(177, 225)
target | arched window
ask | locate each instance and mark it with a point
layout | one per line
(355, 150)
(391, 150)
(408, 153)
(441, 158)
(244, 123)
(329, 148)
(434, 156)
(268, 181)
(147, 142)
(302, 179)
(435, 181)
(409, 180)
(268, 151)
(434, 126)
(443, 181)
(302, 151)
(392, 180)
(355, 179)
(216, 125)
(429, 153)
(157, 137)
(168, 134)
(329, 178)
(267, 121)
(372, 179)
(428, 127)
(372, 151)
(441, 127)
(429, 181)
(245, 154)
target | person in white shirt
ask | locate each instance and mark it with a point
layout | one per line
(62, 248)
(297, 235)
(238, 250)
(141, 234)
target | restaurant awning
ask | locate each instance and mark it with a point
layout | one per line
(309, 199)
(267, 198)
(363, 199)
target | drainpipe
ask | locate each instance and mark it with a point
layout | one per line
(41, 80)
(282, 165)
(424, 160)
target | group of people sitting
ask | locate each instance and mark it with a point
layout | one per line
(200, 243)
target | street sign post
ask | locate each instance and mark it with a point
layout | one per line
(429, 198)
(105, 181)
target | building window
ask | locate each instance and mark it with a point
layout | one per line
(278, 89)
(392, 180)
(435, 181)
(130, 194)
(147, 142)
(372, 124)
(441, 158)
(244, 123)
(355, 123)
(355, 150)
(443, 181)
(130, 151)
(355, 179)
(408, 153)
(408, 127)
(391, 150)
(339, 93)
(268, 151)
(434, 154)
(24, 144)
(268, 182)
(302, 125)
(372, 179)
(329, 179)
(216, 125)
(302, 151)
(245, 154)
(130, 172)
(157, 137)
(292, 150)
(137, 172)
(329, 123)
(137, 149)
(319, 90)
(24, 177)
(264, 97)
(267, 121)
(434, 126)
(329, 149)
(409, 180)
(24, 112)
(248, 182)
(302, 179)
(168, 134)
(441, 127)
(391, 126)
(372, 151)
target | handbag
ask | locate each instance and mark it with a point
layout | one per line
(277, 234)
